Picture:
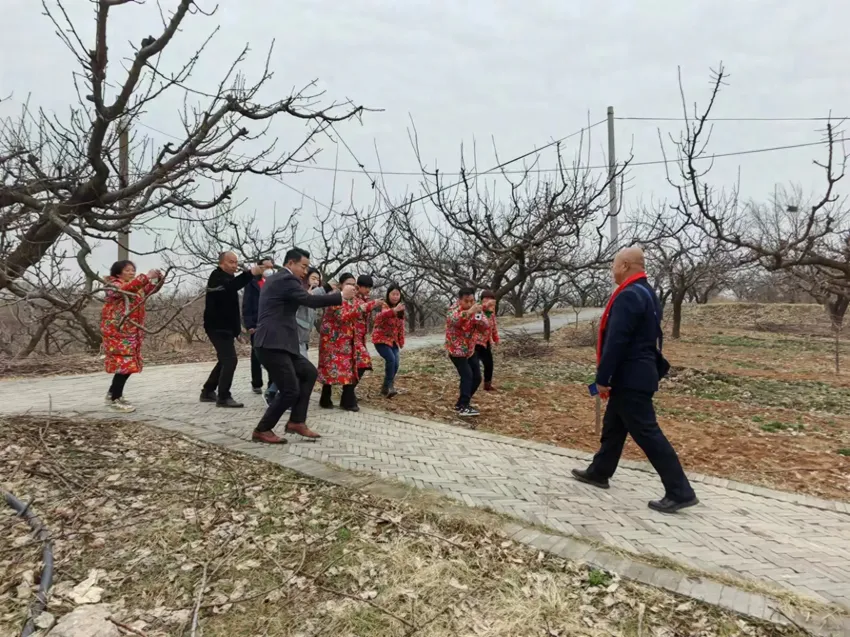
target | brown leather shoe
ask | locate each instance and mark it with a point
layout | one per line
(489, 387)
(301, 429)
(268, 437)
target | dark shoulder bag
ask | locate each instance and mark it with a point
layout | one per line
(661, 363)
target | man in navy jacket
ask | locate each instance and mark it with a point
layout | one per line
(250, 312)
(628, 373)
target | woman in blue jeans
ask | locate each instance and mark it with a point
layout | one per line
(388, 337)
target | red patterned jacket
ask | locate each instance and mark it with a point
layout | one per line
(388, 329)
(491, 334)
(463, 332)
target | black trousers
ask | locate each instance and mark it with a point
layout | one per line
(294, 377)
(256, 367)
(485, 355)
(116, 389)
(221, 377)
(469, 370)
(632, 413)
(348, 399)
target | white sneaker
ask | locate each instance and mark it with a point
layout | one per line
(122, 405)
(468, 412)
(108, 399)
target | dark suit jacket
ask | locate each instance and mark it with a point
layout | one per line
(629, 344)
(221, 306)
(283, 293)
(251, 304)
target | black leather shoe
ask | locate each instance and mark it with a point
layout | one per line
(229, 402)
(257, 390)
(583, 476)
(209, 397)
(666, 505)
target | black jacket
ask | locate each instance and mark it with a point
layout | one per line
(282, 295)
(629, 344)
(221, 308)
(251, 304)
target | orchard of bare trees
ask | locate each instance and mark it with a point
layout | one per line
(534, 230)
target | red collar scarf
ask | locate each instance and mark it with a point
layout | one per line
(603, 322)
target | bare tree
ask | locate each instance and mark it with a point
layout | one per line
(60, 175)
(683, 262)
(810, 237)
(542, 225)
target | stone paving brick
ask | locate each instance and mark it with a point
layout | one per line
(796, 542)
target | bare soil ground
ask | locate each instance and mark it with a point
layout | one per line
(171, 532)
(753, 395)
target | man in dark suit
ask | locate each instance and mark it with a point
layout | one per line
(278, 345)
(223, 325)
(629, 368)
(250, 312)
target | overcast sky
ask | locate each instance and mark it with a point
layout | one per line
(523, 73)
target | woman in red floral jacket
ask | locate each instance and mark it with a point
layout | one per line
(388, 337)
(338, 359)
(488, 338)
(121, 324)
(464, 324)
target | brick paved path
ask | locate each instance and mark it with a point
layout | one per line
(797, 542)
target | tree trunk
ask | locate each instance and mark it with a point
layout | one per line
(29, 348)
(516, 302)
(677, 299)
(837, 308)
(547, 325)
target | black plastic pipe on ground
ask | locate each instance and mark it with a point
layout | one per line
(46, 579)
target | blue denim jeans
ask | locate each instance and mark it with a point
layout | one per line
(392, 360)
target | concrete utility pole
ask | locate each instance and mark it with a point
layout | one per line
(612, 186)
(124, 169)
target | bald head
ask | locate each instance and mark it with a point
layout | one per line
(229, 262)
(627, 262)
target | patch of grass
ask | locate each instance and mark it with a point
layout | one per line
(775, 426)
(598, 577)
(798, 395)
(844, 451)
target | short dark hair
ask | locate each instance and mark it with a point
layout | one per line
(295, 254)
(345, 276)
(466, 291)
(118, 267)
(365, 281)
(264, 259)
(488, 294)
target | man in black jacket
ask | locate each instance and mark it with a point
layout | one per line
(628, 371)
(278, 345)
(223, 325)
(250, 311)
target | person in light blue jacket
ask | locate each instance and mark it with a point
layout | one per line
(306, 319)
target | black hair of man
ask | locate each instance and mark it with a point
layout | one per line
(264, 259)
(365, 281)
(295, 254)
(118, 267)
(465, 292)
(488, 294)
(345, 276)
